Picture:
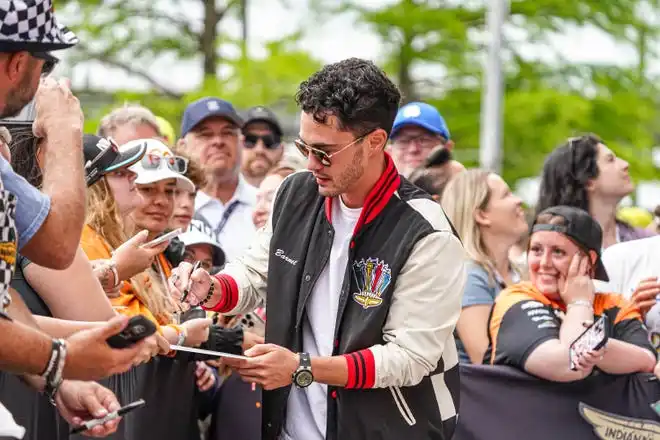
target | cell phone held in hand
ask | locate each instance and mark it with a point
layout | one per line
(163, 238)
(113, 415)
(592, 339)
(138, 328)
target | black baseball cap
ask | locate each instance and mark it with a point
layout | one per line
(263, 114)
(581, 228)
(97, 165)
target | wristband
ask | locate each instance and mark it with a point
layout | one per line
(182, 336)
(54, 369)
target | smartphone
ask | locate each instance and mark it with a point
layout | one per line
(656, 407)
(113, 415)
(138, 328)
(164, 238)
(593, 338)
(254, 321)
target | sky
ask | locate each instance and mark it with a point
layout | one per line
(338, 38)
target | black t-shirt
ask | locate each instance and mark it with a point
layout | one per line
(34, 302)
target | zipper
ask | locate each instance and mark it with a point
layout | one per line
(402, 405)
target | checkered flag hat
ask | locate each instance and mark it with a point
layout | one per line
(31, 25)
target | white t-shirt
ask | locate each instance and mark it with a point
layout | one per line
(627, 264)
(8, 426)
(307, 409)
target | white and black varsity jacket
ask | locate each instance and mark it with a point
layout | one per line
(400, 302)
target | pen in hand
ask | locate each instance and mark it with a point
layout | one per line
(186, 291)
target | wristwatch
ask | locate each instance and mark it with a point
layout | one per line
(303, 377)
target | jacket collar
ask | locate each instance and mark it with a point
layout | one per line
(377, 198)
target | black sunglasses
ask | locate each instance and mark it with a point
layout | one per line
(271, 142)
(49, 62)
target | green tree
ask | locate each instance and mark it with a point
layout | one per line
(545, 102)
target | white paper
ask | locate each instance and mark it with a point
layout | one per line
(208, 352)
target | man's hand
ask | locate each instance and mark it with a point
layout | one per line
(657, 370)
(269, 365)
(645, 294)
(82, 401)
(57, 109)
(89, 357)
(250, 340)
(131, 258)
(201, 283)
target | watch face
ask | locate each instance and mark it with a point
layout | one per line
(304, 378)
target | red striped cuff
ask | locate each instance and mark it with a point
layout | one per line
(228, 295)
(361, 369)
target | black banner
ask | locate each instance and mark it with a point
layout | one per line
(502, 403)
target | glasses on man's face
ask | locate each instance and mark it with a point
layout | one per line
(177, 164)
(270, 141)
(49, 62)
(423, 140)
(321, 155)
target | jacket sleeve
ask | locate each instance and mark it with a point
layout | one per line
(243, 281)
(424, 311)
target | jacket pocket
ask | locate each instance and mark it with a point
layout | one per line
(402, 405)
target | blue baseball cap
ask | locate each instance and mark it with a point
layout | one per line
(205, 108)
(422, 115)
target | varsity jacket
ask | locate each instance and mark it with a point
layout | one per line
(399, 304)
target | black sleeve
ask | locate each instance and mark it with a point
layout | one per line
(633, 332)
(524, 326)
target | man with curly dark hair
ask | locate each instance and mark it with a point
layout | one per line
(362, 275)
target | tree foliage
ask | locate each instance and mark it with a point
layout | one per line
(433, 48)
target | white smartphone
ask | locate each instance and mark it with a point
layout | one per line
(164, 238)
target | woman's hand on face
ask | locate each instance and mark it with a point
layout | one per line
(578, 285)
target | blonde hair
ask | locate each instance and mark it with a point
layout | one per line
(128, 114)
(466, 193)
(104, 218)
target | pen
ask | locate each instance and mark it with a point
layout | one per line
(113, 415)
(186, 292)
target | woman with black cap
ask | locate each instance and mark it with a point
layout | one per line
(534, 323)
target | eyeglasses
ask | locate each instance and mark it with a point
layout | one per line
(423, 140)
(49, 62)
(321, 155)
(177, 164)
(270, 142)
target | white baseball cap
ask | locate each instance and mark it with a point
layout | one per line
(159, 163)
(199, 232)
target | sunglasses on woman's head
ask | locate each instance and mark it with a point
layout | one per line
(321, 155)
(270, 141)
(177, 164)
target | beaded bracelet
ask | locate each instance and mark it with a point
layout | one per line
(208, 295)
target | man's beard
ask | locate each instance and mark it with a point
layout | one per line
(18, 97)
(258, 172)
(348, 178)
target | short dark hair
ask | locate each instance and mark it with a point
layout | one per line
(566, 172)
(355, 91)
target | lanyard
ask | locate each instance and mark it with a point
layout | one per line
(225, 216)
